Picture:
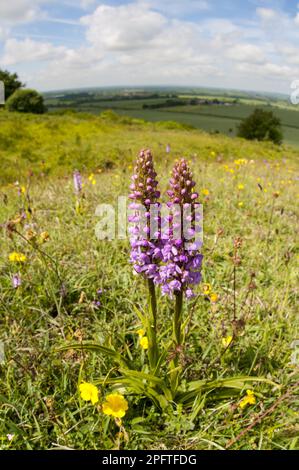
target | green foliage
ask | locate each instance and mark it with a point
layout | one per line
(52, 144)
(11, 82)
(26, 101)
(261, 125)
(55, 306)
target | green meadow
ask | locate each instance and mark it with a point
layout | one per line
(249, 192)
(221, 118)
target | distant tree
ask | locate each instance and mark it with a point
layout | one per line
(261, 125)
(11, 82)
(26, 101)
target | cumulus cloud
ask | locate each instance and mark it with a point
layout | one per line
(132, 26)
(248, 53)
(19, 11)
(148, 42)
(17, 51)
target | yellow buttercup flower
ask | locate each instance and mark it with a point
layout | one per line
(17, 257)
(92, 179)
(213, 297)
(140, 333)
(115, 405)
(227, 341)
(249, 399)
(206, 288)
(205, 192)
(89, 392)
(144, 342)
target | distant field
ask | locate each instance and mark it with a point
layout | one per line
(215, 118)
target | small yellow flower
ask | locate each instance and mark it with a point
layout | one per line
(240, 204)
(140, 333)
(227, 341)
(115, 405)
(92, 179)
(207, 289)
(17, 257)
(213, 154)
(205, 192)
(240, 187)
(89, 392)
(44, 236)
(249, 399)
(23, 189)
(144, 342)
(213, 297)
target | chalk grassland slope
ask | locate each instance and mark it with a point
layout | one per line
(223, 118)
(55, 145)
(248, 190)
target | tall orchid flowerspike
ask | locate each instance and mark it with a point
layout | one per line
(145, 252)
(182, 261)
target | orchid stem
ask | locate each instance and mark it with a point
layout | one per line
(152, 329)
(177, 323)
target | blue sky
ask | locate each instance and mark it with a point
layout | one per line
(248, 44)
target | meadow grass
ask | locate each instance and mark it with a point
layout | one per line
(254, 200)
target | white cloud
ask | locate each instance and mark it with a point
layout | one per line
(145, 43)
(131, 26)
(16, 51)
(246, 53)
(266, 13)
(19, 11)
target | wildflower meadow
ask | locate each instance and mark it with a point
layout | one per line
(182, 333)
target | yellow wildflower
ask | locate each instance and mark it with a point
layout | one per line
(89, 392)
(115, 405)
(249, 399)
(205, 192)
(240, 186)
(240, 204)
(227, 341)
(206, 288)
(213, 297)
(140, 332)
(17, 257)
(92, 179)
(213, 154)
(144, 342)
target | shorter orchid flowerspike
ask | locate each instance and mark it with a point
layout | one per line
(181, 266)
